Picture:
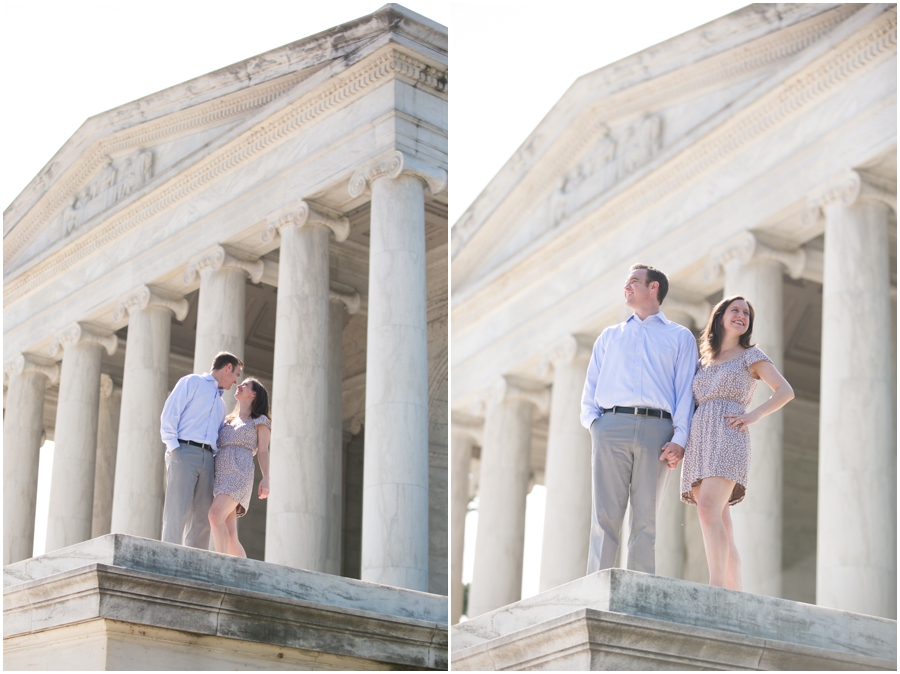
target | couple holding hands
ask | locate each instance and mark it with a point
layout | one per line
(209, 456)
(639, 399)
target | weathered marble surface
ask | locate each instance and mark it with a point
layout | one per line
(187, 606)
(139, 554)
(690, 606)
(590, 639)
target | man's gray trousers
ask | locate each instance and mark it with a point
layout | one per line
(625, 462)
(190, 474)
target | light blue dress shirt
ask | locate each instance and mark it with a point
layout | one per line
(649, 363)
(193, 411)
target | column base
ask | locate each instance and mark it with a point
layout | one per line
(625, 620)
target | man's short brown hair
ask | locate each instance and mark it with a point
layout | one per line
(224, 358)
(654, 274)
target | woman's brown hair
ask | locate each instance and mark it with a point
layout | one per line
(711, 338)
(260, 403)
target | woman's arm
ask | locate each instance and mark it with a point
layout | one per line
(781, 396)
(263, 435)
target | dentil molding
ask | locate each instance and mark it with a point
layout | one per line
(846, 189)
(219, 257)
(146, 296)
(26, 362)
(78, 333)
(745, 247)
(394, 164)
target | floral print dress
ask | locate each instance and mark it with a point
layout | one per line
(234, 463)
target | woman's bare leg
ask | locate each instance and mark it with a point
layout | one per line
(234, 545)
(711, 502)
(733, 568)
(221, 506)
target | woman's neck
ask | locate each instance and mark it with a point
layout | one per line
(244, 411)
(729, 342)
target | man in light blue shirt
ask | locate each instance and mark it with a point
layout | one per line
(190, 422)
(637, 404)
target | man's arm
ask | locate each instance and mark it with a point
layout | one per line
(685, 367)
(171, 414)
(589, 409)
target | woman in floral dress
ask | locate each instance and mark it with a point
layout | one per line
(717, 456)
(246, 434)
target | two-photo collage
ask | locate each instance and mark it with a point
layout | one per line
(277, 398)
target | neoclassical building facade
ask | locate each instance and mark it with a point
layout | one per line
(291, 209)
(753, 155)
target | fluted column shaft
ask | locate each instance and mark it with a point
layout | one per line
(857, 525)
(140, 466)
(567, 475)
(758, 519)
(461, 443)
(72, 484)
(105, 466)
(505, 471)
(220, 315)
(22, 429)
(297, 513)
(395, 477)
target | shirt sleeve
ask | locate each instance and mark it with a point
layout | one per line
(589, 409)
(171, 414)
(685, 367)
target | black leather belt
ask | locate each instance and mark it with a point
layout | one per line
(640, 411)
(196, 444)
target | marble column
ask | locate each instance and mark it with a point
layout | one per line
(221, 306)
(339, 301)
(673, 537)
(140, 466)
(23, 425)
(395, 477)
(72, 483)
(105, 466)
(510, 409)
(567, 513)
(464, 435)
(857, 518)
(297, 512)
(755, 271)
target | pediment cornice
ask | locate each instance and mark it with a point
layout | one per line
(582, 119)
(318, 96)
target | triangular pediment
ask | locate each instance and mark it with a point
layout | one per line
(121, 154)
(616, 124)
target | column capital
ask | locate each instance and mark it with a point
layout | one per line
(846, 188)
(698, 312)
(510, 387)
(745, 247)
(218, 257)
(350, 299)
(84, 332)
(302, 213)
(567, 350)
(106, 385)
(145, 296)
(471, 427)
(394, 164)
(26, 362)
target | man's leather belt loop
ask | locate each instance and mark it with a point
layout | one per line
(196, 444)
(640, 411)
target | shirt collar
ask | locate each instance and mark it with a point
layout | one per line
(208, 377)
(660, 316)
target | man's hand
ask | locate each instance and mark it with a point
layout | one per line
(672, 454)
